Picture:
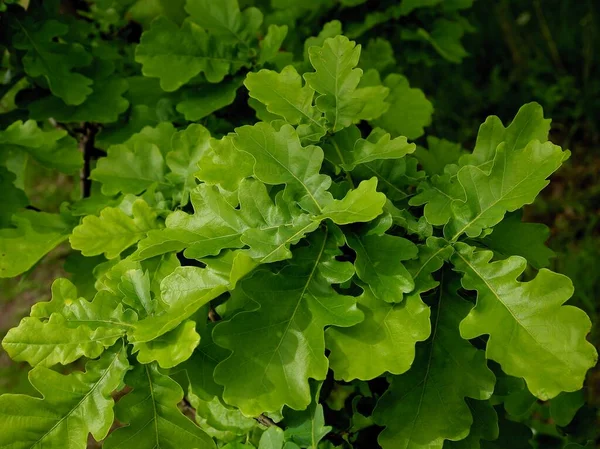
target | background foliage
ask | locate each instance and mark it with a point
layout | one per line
(104, 76)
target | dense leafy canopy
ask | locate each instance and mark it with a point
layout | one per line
(296, 229)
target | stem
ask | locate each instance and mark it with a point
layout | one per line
(266, 421)
(86, 144)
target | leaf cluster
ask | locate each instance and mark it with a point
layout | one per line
(289, 270)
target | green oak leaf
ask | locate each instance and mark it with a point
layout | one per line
(135, 288)
(360, 205)
(176, 55)
(127, 279)
(50, 342)
(512, 237)
(437, 194)
(104, 311)
(426, 406)
(386, 338)
(279, 158)
(445, 37)
(35, 235)
(270, 45)
(187, 289)
(54, 148)
(383, 342)
(295, 303)
(54, 60)
(104, 105)
(131, 167)
(532, 334)
(113, 231)
(220, 421)
(198, 102)
(347, 149)
(484, 427)
(223, 165)
(336, 78)
(515, 179)
(379, 264)
(188, 147)
(71, 406)
(409, 110)
(151, 415)
(305, 428)
(403, 218)
(430, 259)
(13, 198)
(378, 54)
(439, 154)
(283, 95)
(201, 365)
(529, 124)
(395, 176)
(512, 434)
(272, 438)
(225, 20)
(268, 227)
(564, 407)
(170, 349)
(329, 30)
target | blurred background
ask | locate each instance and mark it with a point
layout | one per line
(489, 60)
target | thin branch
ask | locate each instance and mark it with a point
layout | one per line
(86, 145)
(266, 421)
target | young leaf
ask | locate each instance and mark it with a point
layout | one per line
(201, 365)
(439, 154)
(152, 417)
(295, 304)
(383, 342)
(283, 95)
(532, 335)
(170, 349)
(70, 408)
(485, 426)
(105, 311)
(514, 180)
(201, 101)
(50, 342)
(336, 79)
(409, 110)
(360, 205)
(347, 149)
(225, 20)
(379, 264)
(176, 55)
(188, 147)
(130, 168)
(267, 227)
(223, 165)
(426, 406)
(13, 198)
(529, 124)
(114, 231)
(279, 158)
(512, 237)
(269, 46)
(35, 235)
(188, 288)
(56, 61)
(54, 149)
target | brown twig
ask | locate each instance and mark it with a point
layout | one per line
(266, 421)
(86, 145)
